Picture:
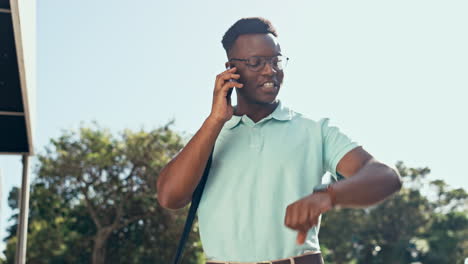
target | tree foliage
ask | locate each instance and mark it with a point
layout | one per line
(406, 228)
(94, 200)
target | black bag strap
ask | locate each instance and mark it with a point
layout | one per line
(193, 209)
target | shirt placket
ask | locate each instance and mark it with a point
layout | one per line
(256, 138)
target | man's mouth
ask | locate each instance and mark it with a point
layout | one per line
(269, 87)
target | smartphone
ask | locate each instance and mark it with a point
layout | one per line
(231, 80)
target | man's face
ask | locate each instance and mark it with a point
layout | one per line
(255, 91)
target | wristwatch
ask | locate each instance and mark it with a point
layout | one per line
(327, 188)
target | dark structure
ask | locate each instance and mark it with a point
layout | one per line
(15, 85)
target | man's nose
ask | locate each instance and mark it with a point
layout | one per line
(268, 68)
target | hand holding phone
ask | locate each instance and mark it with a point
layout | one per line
(222, 110)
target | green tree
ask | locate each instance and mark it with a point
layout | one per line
(338, 235)
(405, 228)
(447, 239)
(52, 235)
(94, 200)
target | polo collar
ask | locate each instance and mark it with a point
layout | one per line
(281, 113)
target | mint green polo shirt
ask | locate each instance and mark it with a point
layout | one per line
(258, 169)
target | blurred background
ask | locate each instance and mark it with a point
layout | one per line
(122, 86)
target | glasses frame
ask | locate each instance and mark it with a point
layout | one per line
(267, 59)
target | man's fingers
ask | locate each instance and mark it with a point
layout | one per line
(225, 88)
(226, 77)
(233, 69)
(291, 217)
(301, 236)
(296, 219)
(313, 218)
(303, 219)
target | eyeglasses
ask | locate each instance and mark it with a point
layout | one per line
(257, 63)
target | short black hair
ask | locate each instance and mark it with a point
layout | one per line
(248, 25)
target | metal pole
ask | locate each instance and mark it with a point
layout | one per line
(22, 231)
(1, 191)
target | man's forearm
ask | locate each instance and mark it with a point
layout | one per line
(180, 177)
(371, 184)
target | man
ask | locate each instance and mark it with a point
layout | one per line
(263, 198)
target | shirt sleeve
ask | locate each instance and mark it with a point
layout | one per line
(335, 145)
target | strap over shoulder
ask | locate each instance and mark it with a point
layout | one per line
(197, 194)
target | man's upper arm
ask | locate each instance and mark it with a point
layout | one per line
(353, 161)
(335, 146)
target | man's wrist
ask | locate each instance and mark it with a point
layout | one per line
(329, 190)
(214, 122)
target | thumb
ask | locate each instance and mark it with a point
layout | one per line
(301, 236)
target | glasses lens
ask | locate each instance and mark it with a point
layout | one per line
(258, 63)
(282, 62)
(255, 63)
(277, 62)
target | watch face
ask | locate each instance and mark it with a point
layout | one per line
(321, 188)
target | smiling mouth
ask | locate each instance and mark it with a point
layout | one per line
(269, 87)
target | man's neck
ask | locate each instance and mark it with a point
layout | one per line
(255, 112)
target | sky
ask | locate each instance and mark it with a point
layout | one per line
(391, 74)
